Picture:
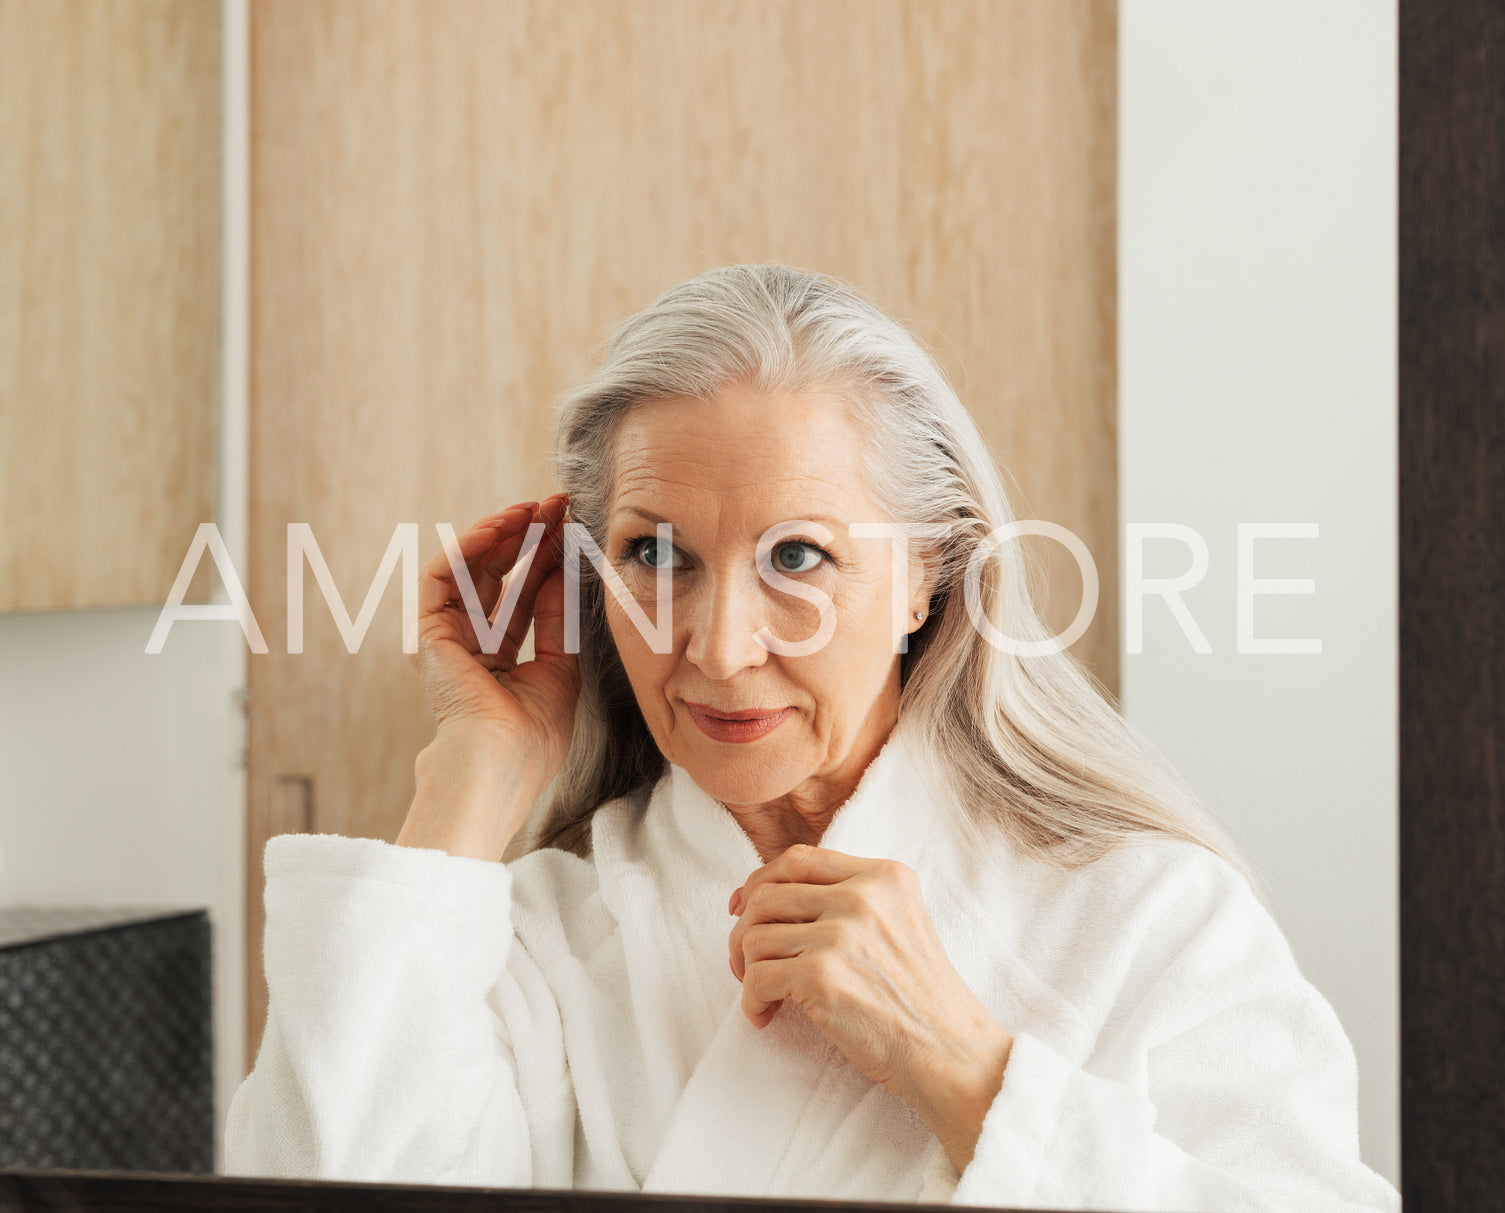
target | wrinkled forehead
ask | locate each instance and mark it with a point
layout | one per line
(784, 457)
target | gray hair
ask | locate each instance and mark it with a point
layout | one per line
(1031, 745)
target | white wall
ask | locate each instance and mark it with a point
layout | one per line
(122, 775)
(1257, 256)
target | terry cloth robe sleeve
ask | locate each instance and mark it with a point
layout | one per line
(1222, 1079)
(388, 1049)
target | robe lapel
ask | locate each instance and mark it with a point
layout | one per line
(667, 886)
(781, 1111)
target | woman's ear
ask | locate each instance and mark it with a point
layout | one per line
(922, 578)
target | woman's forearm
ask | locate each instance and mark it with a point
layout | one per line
(474, 791)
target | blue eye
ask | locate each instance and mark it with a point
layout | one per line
(799, 549)
(791, 556)
(650, 545)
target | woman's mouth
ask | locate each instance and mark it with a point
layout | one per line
(744, 724)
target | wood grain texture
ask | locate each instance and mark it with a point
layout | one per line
(453, 200)
(109, 297)
(1452, 605)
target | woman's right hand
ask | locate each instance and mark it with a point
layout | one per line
(529, 707)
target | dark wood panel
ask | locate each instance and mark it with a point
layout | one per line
(1452, 610)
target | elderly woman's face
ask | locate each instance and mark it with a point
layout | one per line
(723, 473)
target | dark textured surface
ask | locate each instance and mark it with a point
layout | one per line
(33, 924)
(171, 1194)
(106, 1052)
(1452, 604)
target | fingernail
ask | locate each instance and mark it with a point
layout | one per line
(735, 903)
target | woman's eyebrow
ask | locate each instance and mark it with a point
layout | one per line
(838, 525)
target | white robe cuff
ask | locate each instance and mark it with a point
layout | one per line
(1057, 1136)
(331, 897)
(378, 961)
(1090, 1130)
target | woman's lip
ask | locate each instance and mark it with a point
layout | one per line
(739, 714)
(719, 728)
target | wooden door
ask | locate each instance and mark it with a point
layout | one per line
(453, 199)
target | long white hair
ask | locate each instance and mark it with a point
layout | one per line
(1030, 744)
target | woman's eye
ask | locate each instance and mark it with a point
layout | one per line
(654, 553)
(796, 557)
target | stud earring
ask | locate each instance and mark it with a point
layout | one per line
(919, 614)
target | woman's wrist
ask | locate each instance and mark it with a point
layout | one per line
(953, 1093)
(474, 789)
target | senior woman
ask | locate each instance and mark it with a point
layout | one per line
(837, 896)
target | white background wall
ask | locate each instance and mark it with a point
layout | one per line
(1257, 347)
(1257, 326)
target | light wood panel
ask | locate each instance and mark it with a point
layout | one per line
(109, 297)
(452, 200)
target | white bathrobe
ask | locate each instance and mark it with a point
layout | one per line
(559, 1022)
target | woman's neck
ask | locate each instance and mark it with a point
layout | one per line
(803, 813)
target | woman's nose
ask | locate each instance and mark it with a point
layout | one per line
(723, 624)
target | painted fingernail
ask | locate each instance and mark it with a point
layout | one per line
(735, 903)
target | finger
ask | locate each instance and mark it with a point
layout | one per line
(546, 559)
(766, 985)
(492, 567)
(489, 567)
(448, 624)
(774, 941)
(504, 612)
(548, 618)
(473, 583)
(436, 579)
(777, 902)
(804, 864)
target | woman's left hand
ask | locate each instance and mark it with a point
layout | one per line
(850, 940)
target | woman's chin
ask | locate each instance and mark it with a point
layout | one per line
(737, 780)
